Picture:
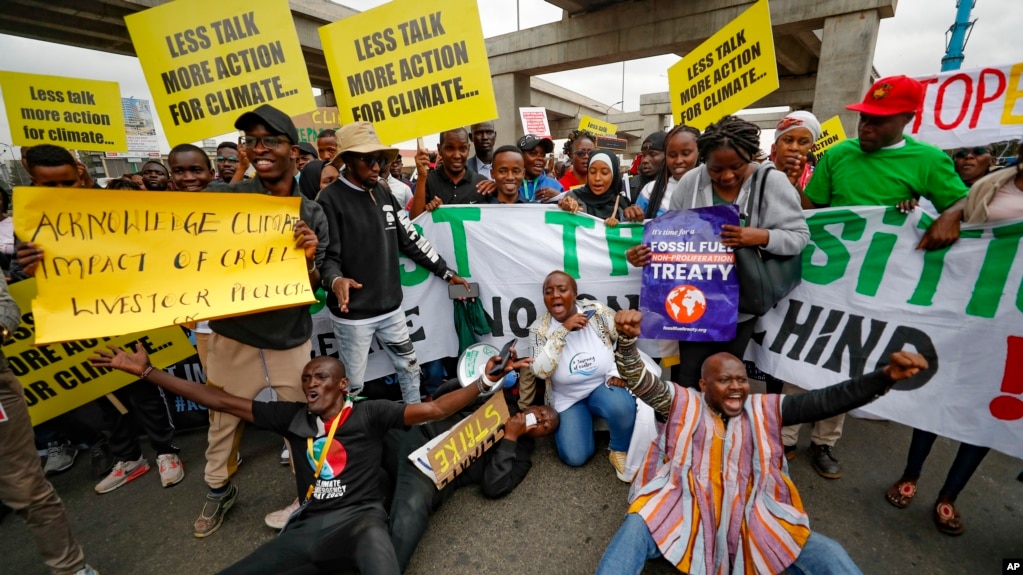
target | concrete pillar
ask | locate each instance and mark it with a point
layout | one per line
(513, 92)
(843, 75)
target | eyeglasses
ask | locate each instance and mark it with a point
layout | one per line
(228, 160)
(581, 153)
(963, 152)
(269, 142)
(375, 159)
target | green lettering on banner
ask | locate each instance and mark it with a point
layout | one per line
(570, 222)
(853, 226)
(930, 275)
(878, 254)
(994, 272)
(617, 244)
(456, 216)
(418, 273)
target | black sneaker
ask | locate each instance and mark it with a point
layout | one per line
(824, 461)
(213, 511)
(102, 460)
(790, 452)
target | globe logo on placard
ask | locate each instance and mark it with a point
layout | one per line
(685, 304)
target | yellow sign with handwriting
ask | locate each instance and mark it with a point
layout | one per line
(118, 262)
(310, 124)
(728, 72)
(412, 68)
(467, 441)
(208, 62)
(597, 127)
(69, 112)
(832, 133)
(58, 377)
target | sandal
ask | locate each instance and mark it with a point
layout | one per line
(901, 494)
(947, 519)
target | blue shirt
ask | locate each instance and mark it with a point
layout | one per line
(527, 191)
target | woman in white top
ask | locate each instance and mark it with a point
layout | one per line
(680, 155)
(573, 349)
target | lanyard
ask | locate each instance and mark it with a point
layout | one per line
(345, 412)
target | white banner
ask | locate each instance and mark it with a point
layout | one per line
(971, 107)
(867, 292)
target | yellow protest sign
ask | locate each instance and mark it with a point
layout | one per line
(831, 134)
(58, 378)
(118, 262)
(310, 124)
(69, 112)
(597, 127)
(468, 440)
(412, 68)
(730, 71)
(208, 62)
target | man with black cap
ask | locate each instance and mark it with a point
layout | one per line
(537, 186)
(652, 150)
(154, 176)
(264, 349)
(361, 275)
(306, 154)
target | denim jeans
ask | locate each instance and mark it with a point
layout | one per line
(633, 545)
(574, 436)
(967, 460)
(392, 333)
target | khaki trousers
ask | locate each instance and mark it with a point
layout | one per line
(244, 371)
(825, 432)
(24, 489)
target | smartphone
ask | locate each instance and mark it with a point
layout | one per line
(456, 291)
(505, 357)
(530, 419)
(589, 314)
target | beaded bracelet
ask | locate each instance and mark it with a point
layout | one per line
(146, 372)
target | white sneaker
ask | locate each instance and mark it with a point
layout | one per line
(87, 570)
(285, 456)
(123, 472)
(59, 457)
(171, 469)
(278, 519)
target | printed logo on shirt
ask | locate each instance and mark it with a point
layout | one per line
(336, 460)
(3, 414)
(329, 489)
(584, 364)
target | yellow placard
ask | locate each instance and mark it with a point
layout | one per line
(310, 124)
(597, 127)
(832, 133)
(468, 440)
(730, 71)
(208, 62)
(58, 377)
(118, 262)
(69, 112)
(412, 68)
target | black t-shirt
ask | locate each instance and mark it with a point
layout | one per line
(350, 474)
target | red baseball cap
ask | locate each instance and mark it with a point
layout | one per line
(890, 96)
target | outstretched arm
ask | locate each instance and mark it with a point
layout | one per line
(137, 364)
(654, 392)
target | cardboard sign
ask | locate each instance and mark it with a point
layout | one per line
(467, 441)
(58, 378)
(68, 112)
(832, 133)
(731, 70)
(412, 68)
(310, 124)
(597, 127)
(690, 289)
(534, 121)
(122, 262)
(206, 63)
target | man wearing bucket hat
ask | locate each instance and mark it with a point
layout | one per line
(883, 167)
(361, 277)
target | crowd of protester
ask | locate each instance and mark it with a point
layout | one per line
(698, 500)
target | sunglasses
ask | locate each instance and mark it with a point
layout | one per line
(228, 160)
(963, 152)
(369, 160)
(581, 153)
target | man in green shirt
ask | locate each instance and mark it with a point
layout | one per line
(881, 168)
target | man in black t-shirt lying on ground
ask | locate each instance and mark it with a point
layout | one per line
(342, 524)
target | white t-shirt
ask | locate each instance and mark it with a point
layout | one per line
(585, 364)
(399, 190)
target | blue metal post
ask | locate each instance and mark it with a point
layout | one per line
(959, 31)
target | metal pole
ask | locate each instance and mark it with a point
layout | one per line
(959, 31)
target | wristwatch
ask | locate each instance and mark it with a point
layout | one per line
(447, 275)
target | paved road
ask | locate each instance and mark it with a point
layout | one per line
(557, 522)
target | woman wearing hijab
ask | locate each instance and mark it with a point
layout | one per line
(791, 153)
(315, 176)
(601, 197)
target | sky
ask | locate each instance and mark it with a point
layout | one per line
(911, 43)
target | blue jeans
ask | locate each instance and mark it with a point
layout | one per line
(632, 546)
(574, 436)
(392, 333)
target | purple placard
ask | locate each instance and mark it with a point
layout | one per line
(690, 288)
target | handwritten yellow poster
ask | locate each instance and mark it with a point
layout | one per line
(465, 442)
(412, 68)
(832, 133)
(118, 262)
(730, 71)
(58, 377)
(208, 62)
(69, 112)
(597, 127)
(310, 124)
